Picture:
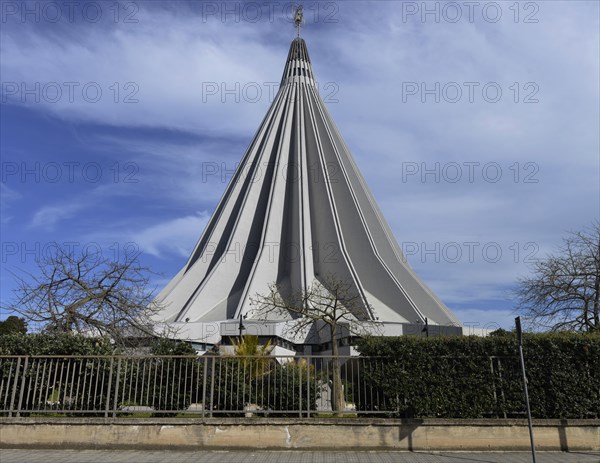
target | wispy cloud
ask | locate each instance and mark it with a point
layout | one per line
(173, 236)
(8, 196)
(48, 217)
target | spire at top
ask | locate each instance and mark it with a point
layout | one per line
(299, 18)
(298, 67)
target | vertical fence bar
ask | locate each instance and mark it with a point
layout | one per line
(185, 382)
(22, 386)
(137, 383)
(3, 383)
(244, 384)
(56, 394)
(2, 365)
(161, 391)
(359, 385)
(77, 393)
(14, 391)
(204, 402)
(70, 398)
(97, 378)
(82, 371)
(64, 381)
(42, 388)
(110, 375)
(145, 389)
(30, 390)
(117, 384)
(300, 390)
(171, 369)
(154, 382)
(54, 382)
(212, 386)
(310, 376)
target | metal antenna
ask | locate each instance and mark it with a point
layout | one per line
(299, 18)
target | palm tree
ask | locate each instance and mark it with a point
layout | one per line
(254, 357)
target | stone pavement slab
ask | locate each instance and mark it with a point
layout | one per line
(169, 456)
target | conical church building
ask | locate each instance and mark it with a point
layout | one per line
(296, 209)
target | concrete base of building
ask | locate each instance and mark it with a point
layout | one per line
(307, 434)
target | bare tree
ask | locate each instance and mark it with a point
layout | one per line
(87, 293)
(563, 292)
(333, 305)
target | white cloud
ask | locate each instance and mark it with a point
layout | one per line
(168, 68)
(173, 236)
(48, 217)
(7, 197)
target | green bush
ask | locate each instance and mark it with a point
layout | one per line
(473, 377)
(54, 344)
(49, 382)
(234, 386)
(274, 388)
(175, 375)
(291, 386)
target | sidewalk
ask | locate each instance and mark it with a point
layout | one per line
(134, 456)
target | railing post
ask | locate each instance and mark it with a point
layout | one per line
(308, 385)
(520, 341)
(212, 386)
(14, 391)
(114, 410)
(300, 389)
(110, 374)
(204, 387)
(22, 386)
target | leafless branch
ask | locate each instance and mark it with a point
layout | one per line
(563, 292)
(88, 293)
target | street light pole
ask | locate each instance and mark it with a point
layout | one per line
(241, 326)
(520, 339)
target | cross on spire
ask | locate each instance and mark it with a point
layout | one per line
(299, 18)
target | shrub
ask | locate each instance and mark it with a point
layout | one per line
(472, 377)
(54, 344)
(291, 386)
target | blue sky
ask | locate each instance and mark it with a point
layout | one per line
(476, 127)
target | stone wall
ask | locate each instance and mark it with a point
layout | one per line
(259, 433)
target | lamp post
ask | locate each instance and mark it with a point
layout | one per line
(241, 326)
(520, 341)
(426, 328)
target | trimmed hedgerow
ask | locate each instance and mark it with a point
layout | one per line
(473, 377)
(54, 344)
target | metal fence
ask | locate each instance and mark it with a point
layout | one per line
(161, 385)
(214, 385)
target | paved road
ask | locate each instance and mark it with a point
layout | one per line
(134, 456)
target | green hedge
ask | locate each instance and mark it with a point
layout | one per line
(474, 377)
(169, 380)
(54, 344)
(50, 384)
